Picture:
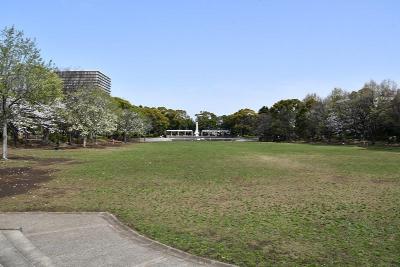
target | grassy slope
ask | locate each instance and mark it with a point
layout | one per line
(253, 204)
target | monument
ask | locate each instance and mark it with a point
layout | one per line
(196, 133)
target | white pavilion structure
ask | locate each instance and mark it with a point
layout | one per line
(176, 133)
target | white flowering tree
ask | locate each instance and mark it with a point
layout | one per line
(24, 77)
(129, 123)
(32, 118)
(51, 118)
(90, 112)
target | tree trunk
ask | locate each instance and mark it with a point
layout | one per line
(15, 136)
(46, 134)
(26, 138)
(5, 148)
(125, 139)
(84, 141)
(5, 121)
(58, 141)
(70, 139)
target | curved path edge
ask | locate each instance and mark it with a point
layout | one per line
(111, 218)
(136, 237)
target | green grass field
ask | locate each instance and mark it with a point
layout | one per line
(252, 204)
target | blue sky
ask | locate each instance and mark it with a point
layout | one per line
(217, 55)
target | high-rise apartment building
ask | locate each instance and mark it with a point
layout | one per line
(77, 78)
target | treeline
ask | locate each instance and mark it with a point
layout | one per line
(371, 113)
(32, 102)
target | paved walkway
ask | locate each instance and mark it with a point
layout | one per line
(82, 239)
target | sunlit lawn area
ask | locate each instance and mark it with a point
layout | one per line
(252, 204)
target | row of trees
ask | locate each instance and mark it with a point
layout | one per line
(371, 113)
(32, 102)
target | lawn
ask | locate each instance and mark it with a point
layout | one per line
(252, 204)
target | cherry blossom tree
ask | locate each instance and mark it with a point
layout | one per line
(130, 122)
(24, 77)
(90, 112)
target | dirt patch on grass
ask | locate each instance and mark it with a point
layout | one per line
(43, 161)
(21, 158)
(48, 161)
(19, 180)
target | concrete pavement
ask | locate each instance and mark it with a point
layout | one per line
(83, 239)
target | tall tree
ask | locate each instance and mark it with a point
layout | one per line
(244, 122)
(382, 121)
(264, 126)
(178, 119)
(207, 120)
(337, 119)
(90, 112)
(24, 76)
(157, 120)
(369, 110)
(31, 118)
(310, 120)
(130, 122)
(284, 114)
(395, 115)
